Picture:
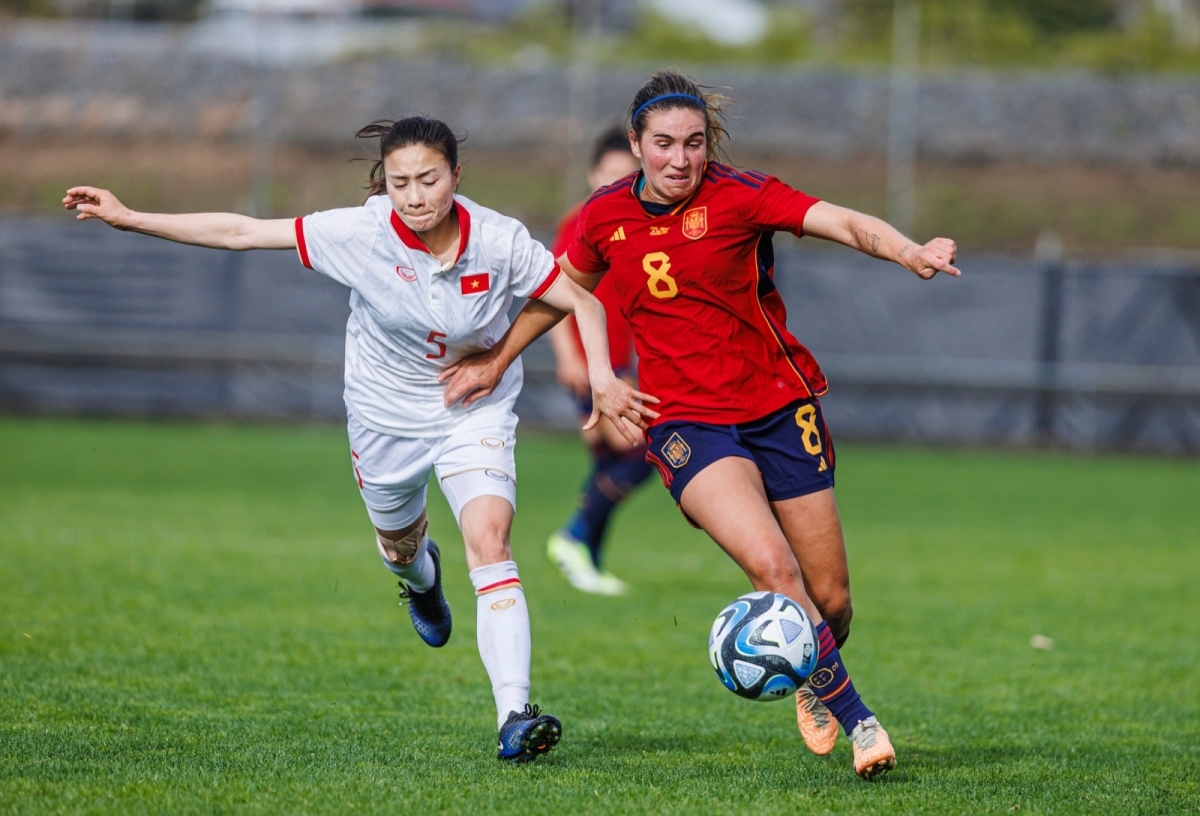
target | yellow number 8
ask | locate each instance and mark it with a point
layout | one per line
(806, 418)
(658, 275)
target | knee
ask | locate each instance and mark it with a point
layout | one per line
(489, 543)
(838, 611)
(400, 546)
(776, 572)
(492, 551)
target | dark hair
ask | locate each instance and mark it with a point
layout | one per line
(393, 135)
(613, 140)
(670, 89)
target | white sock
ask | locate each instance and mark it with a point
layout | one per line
(419, 574)
(502, 623)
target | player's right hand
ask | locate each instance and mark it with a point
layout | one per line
(93, 202)
(471, 379)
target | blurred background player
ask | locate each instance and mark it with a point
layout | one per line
(618, 467)
(740, 442)
(432, 276)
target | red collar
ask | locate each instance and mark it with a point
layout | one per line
(413, 241)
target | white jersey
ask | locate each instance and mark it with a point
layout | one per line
(410, 318)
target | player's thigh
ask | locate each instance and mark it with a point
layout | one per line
(477, 459)
(727, 500)
(392, 474)
(794, 451)
(814, 532)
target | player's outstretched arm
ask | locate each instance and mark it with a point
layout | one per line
(216, 230)
(878, 238)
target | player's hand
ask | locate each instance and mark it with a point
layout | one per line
(471, 378)
(623, 405)
(93, 202)
(936, 256)
(572, 374)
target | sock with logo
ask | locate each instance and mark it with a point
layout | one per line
(502, 623)
(613, 477)
(831, 683)
(419, 574)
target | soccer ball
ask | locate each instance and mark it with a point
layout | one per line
(763, 646)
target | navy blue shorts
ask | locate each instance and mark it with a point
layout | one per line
(792, 448)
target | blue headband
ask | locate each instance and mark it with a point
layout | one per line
(645, 105)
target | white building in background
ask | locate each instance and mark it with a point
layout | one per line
(729, 22)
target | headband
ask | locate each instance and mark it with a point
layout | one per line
(660, 98)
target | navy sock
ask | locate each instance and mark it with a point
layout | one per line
(612, 478)
(831, 683)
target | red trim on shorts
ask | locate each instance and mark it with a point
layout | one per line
(663, 470)
(548, 282)
(301, 246)
(499, 585)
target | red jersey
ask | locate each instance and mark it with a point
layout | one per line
(697, 287)
(620, 342)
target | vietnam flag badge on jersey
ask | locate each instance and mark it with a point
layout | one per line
(474, 284)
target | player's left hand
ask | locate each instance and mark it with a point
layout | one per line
(471, 378)
(623, 405)
(936, 256)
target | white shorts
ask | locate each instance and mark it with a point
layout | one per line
(392, 472)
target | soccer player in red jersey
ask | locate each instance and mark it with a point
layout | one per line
(617, 466)
(741, 441)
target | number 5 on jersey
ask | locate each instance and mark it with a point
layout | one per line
(441, 347)
(657, 265)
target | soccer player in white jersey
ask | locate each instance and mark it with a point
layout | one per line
(432, 276)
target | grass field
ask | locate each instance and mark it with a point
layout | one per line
(193, 619)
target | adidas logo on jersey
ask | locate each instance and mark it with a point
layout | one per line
(824, 467)
(619, 235)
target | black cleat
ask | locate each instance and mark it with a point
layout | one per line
(429, 611)
(527, 734)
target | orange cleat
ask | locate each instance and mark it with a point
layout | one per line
(817, 725)
(873, 751)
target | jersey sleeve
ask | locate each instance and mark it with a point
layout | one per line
(336, 243)
(533, 267)
(582, 251)
(776, 206)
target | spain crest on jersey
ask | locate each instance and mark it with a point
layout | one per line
(695, 222)
(676, 451)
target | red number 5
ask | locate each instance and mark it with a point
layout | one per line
(441, 347)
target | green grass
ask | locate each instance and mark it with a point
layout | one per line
(193, 619)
